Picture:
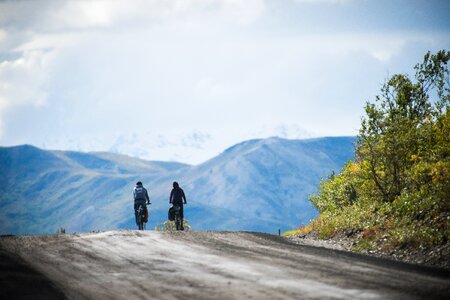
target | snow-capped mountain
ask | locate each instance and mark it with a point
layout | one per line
(182, 145)
(257, 185)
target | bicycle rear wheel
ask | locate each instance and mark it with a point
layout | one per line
(140, 218)
(177, 222)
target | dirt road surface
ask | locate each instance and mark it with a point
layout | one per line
(210, 265)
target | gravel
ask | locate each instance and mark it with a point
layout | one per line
(438, 256)
(215, 265)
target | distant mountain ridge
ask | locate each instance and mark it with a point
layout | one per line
(256, 185)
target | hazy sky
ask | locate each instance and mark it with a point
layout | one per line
(184, 79)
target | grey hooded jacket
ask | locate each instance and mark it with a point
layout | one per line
(140, 194)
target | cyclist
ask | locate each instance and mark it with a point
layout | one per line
(140, 198)
(177, 198)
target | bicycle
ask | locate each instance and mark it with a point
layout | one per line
(177, 217)
(140, 217)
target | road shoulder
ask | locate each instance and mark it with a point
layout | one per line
(19, 281)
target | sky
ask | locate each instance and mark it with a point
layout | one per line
(183, 80)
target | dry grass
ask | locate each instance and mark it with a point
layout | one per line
(300, 231)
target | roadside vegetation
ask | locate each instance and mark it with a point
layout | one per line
(170, 226)
(396, 193)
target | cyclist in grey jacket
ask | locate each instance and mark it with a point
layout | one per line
(140, 198)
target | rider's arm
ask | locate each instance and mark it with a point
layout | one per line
(171, 196)
(146, 196)
(184, 197)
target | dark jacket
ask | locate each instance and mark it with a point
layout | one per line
(177, 196)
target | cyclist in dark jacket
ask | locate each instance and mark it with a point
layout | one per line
(140, 197)
(177, 198)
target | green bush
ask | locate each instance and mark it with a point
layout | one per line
(398, 186)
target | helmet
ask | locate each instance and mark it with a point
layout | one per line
(138, 183)
(175, 185)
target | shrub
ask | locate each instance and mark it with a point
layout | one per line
(170, 226)
(399, 183)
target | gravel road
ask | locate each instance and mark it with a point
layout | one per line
(207, 265)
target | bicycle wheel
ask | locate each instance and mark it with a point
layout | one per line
(140, 218)
(177, 222)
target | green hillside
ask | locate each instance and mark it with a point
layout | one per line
(396, 193)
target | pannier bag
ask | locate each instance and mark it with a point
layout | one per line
(171, 214)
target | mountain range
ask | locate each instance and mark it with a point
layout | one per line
(257, 185)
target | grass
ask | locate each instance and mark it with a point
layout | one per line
(300, 231)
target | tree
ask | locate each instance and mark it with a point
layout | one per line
(397, 127)
(399, 183)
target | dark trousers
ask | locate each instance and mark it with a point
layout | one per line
(181, 208)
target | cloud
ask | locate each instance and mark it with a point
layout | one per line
(380, 45)
(87, 15)
(184, 79)
(33, 31)
(23, 80)
(3, 35)
(340, 2)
